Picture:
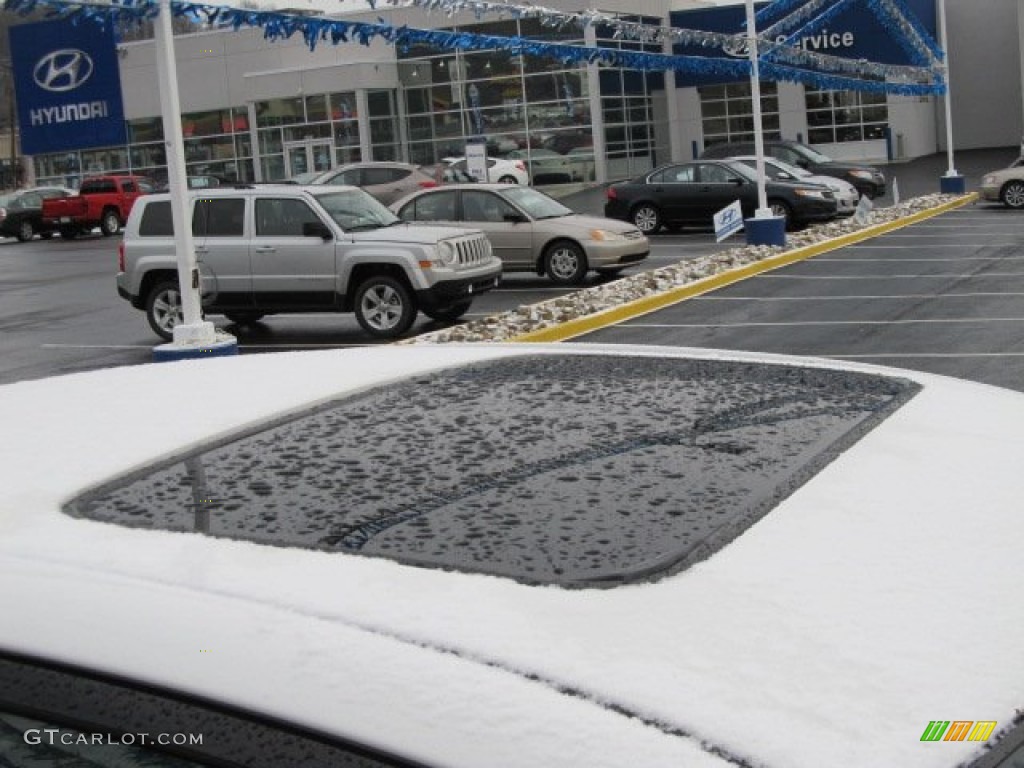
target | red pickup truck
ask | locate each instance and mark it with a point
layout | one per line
(102, 201)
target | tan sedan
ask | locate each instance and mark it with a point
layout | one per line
(1005, 186)
(529, 231)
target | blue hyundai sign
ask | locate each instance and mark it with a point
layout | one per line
(856, 33)
(68, 86)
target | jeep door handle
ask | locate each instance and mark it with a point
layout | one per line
(266, 249)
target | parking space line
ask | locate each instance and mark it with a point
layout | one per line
(959, 246)
(889, 355)
(890, 260)
(944, 275)
(618, 314)
(827, 322)
(869, 297)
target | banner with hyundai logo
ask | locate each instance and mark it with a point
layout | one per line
(68, 86)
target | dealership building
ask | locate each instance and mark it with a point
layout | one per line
(254, 109)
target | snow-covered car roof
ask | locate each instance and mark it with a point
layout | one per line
(871, 595)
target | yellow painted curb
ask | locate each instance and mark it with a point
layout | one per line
(637, 307)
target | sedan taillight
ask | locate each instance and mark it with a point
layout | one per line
(610, 193)
(520, 165)
(428, 184)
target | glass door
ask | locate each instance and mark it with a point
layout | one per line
(307, 156)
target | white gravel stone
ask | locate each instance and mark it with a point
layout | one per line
(588, 301)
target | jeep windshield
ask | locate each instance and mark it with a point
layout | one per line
(354, 209)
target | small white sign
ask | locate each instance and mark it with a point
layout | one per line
(728, 221)
(476, 161)
(864, 208)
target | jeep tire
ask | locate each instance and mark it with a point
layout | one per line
(384, 307)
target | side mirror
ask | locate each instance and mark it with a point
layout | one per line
(316, 229)
(737, 181)
(514, 218)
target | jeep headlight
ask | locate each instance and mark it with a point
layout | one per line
(603, 235)
(446, 253)
(988, 181)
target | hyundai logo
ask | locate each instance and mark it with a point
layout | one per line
(737, 46)
(62, 70)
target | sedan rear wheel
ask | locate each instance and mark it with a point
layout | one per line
(647, 218)
(384, 307)
(508, 180)
(1013, 195)
(26, 231)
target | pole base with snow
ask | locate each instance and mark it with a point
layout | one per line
(765, 230)
(193, 337)
(952, 183)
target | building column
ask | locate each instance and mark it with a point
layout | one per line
(675, 136)
(596, 113)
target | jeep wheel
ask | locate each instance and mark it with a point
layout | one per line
(565, 263)
(163, 309)
(384, 307)
(26, 231)
(449, 314)
(110, 223)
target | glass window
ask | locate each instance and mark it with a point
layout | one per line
(316, 108)
(438, 206)
(727, 112)
(156, 220)
(839, 116)
(219, 217)
(484, 206)
(373, 176)
(282, 217)
(279, 112)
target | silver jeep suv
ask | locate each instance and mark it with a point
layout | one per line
(283, 248)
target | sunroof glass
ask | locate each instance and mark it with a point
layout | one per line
(576, 470)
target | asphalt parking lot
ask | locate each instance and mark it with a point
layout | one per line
(945, 296)
(942, 296)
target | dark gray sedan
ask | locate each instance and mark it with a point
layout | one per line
(689, 194)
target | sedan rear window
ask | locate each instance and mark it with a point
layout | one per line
(578, 471)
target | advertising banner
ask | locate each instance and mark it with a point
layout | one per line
(856, 33)
(68, 86)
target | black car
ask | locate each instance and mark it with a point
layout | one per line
(689, 194)
(866, 178)
(21, 213)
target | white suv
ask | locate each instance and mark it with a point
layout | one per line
(268, 249)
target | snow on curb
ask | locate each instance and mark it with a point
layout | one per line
(531, 318)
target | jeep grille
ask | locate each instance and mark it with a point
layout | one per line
(472, 251)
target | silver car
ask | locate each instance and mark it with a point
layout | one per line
(845, 193)
(1005, 186)
(529, 231)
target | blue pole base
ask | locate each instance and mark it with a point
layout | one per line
(224, 346)
(952, 185)
(771, 230)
